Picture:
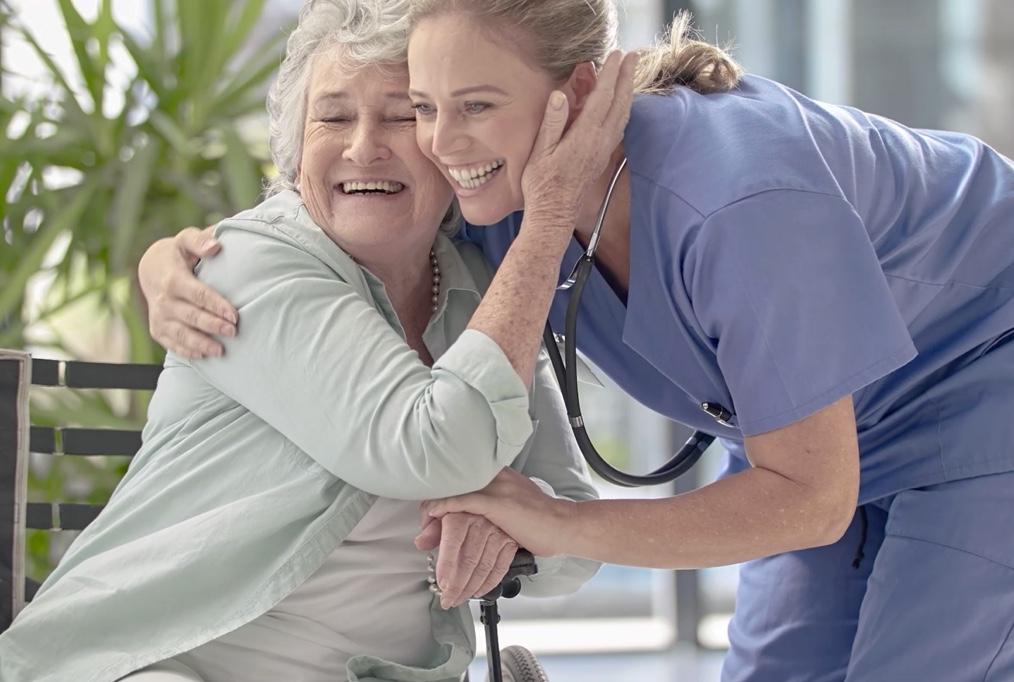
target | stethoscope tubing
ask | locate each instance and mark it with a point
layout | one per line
(566, 374)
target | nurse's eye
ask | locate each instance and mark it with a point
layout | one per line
(476, 107)
(424, 110)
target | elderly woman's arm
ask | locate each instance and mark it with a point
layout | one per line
(471, 547)
(321, 365)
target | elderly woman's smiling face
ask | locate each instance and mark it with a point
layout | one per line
(362, 175)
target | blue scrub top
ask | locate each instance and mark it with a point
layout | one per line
(786, 253)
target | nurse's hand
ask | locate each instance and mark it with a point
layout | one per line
(473, 558)
(515, 504)
(564, 161)
(183, 313)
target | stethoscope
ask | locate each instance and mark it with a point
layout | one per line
(566, 374)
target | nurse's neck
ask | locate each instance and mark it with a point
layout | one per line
(612, 257)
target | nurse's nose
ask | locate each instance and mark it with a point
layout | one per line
(448, 138)
(367, 144)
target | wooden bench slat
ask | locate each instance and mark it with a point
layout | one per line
(105, 375)
(101, 442)
(45, 372)
(42, 439)
(76, 516)
(39, 516)
(31, 587)
(86, 442)
(71, 516)
(96, 375)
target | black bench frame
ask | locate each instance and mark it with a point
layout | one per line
(18, 438)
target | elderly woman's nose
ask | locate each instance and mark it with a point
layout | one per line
(367, 145)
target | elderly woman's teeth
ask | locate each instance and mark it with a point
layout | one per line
(384, 186)
(470, 178)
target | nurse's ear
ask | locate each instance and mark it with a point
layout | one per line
(578, 86)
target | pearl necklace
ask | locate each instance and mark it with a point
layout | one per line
(435, 266)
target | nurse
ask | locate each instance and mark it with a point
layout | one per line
(842, 285)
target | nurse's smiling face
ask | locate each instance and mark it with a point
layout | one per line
(479, 105)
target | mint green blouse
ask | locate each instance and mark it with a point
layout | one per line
(256, 465)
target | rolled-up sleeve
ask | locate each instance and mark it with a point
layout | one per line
(477, 360)
(317, 362)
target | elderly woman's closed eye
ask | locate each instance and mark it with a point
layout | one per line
(268, 528)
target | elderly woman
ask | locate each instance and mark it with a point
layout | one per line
(265, 529)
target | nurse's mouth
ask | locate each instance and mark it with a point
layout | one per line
(474, 177)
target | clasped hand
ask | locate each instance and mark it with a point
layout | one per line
(474, 555)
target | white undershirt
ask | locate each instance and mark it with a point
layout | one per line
(370, 597)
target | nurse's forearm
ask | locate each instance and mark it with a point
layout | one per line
(513, 312)
(752, 514)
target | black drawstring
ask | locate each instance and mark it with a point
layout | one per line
(865, 524)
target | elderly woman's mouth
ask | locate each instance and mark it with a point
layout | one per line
(371, 187)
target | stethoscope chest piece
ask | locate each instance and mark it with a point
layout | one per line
(718, 413)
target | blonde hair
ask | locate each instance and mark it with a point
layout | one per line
(565, 33)
(679, 58)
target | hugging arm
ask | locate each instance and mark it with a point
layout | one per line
(318, 363)
(191, 310)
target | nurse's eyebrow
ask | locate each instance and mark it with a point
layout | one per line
(464, 91)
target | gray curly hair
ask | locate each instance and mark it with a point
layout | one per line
(366, 33)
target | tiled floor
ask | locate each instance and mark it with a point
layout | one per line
(679, 665)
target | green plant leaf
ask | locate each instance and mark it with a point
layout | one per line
(239, 170)
(239, 32)
(142, 349)
(201, 27)
(69, 99)
(232, 100)
(14, 289)
(82, 34)
(79, 32)
(129, 202)
(173, 133)
(187, 98)
(149, 66)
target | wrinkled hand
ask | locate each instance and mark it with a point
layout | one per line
(184, 313)
(517, 506)
(562, 164)
(473, 558)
